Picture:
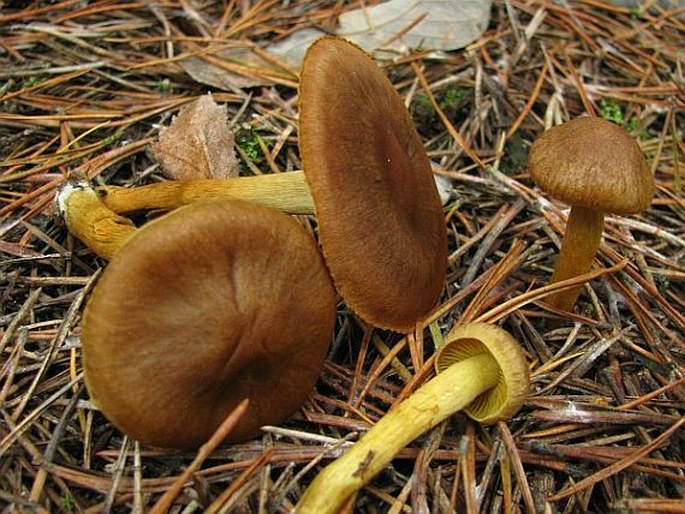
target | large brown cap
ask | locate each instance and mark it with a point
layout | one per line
(202, 308)
(380, 218)
(592, 163)
(503, 400)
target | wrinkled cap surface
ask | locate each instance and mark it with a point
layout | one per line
(592, 163)
(202, 308)
(502, 401)
(380, 218)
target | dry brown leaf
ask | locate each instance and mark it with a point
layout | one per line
(198, 143)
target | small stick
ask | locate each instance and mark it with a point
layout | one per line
(164, 503)
(618, 466)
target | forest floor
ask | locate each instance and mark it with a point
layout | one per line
(84, 88)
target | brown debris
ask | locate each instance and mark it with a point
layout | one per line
(198, 143)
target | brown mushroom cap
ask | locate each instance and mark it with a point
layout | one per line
(502, 401)
(202, 308)
(380, 219)
(592, 163)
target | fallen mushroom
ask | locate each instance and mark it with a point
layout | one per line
(481, 370)
(380, 218)
(199, 309)
(597, 168)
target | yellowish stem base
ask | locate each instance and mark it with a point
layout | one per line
(89, 220)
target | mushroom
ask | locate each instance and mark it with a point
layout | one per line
(597, 168)
(199, 309)
(380, 218)
(481, 370)
(379, 213)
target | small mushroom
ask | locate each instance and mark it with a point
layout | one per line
(380, 218)
(597, 168)
(201, 308)
(481, 370)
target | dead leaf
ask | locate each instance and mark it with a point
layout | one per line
(393, 26)
(292, 49)
(257, 71)
(198, 143)
(429, 24)
(204, 72)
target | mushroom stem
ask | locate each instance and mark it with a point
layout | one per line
(450, 391)
(581, 240)
(87, 218)
(287, 192)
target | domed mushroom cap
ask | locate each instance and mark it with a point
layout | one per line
(202, 308)
(592, 163)
(503, 400)
(380, 219)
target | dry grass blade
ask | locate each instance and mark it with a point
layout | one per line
(620, 465)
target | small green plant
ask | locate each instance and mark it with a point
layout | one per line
(164, 86)
(631, 125)
(31, 81)
(112, 138)
(248, 140)
(452, 98)
(67, 503)
(611, 111)
(636, 13)
(422, 107)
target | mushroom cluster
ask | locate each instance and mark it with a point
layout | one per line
(224, 299)
(367, 178)
(232, 299)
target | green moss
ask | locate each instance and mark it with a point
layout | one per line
(452, 97)
(248, 140)
(164, 86)
(112, 138)
(422, 107)
(67, 503)
(451, 101)
(631, 125)
(610, 110)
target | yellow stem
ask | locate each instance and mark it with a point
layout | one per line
(581, 240)
(450, 391)
(89, 220)
(287, 192)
